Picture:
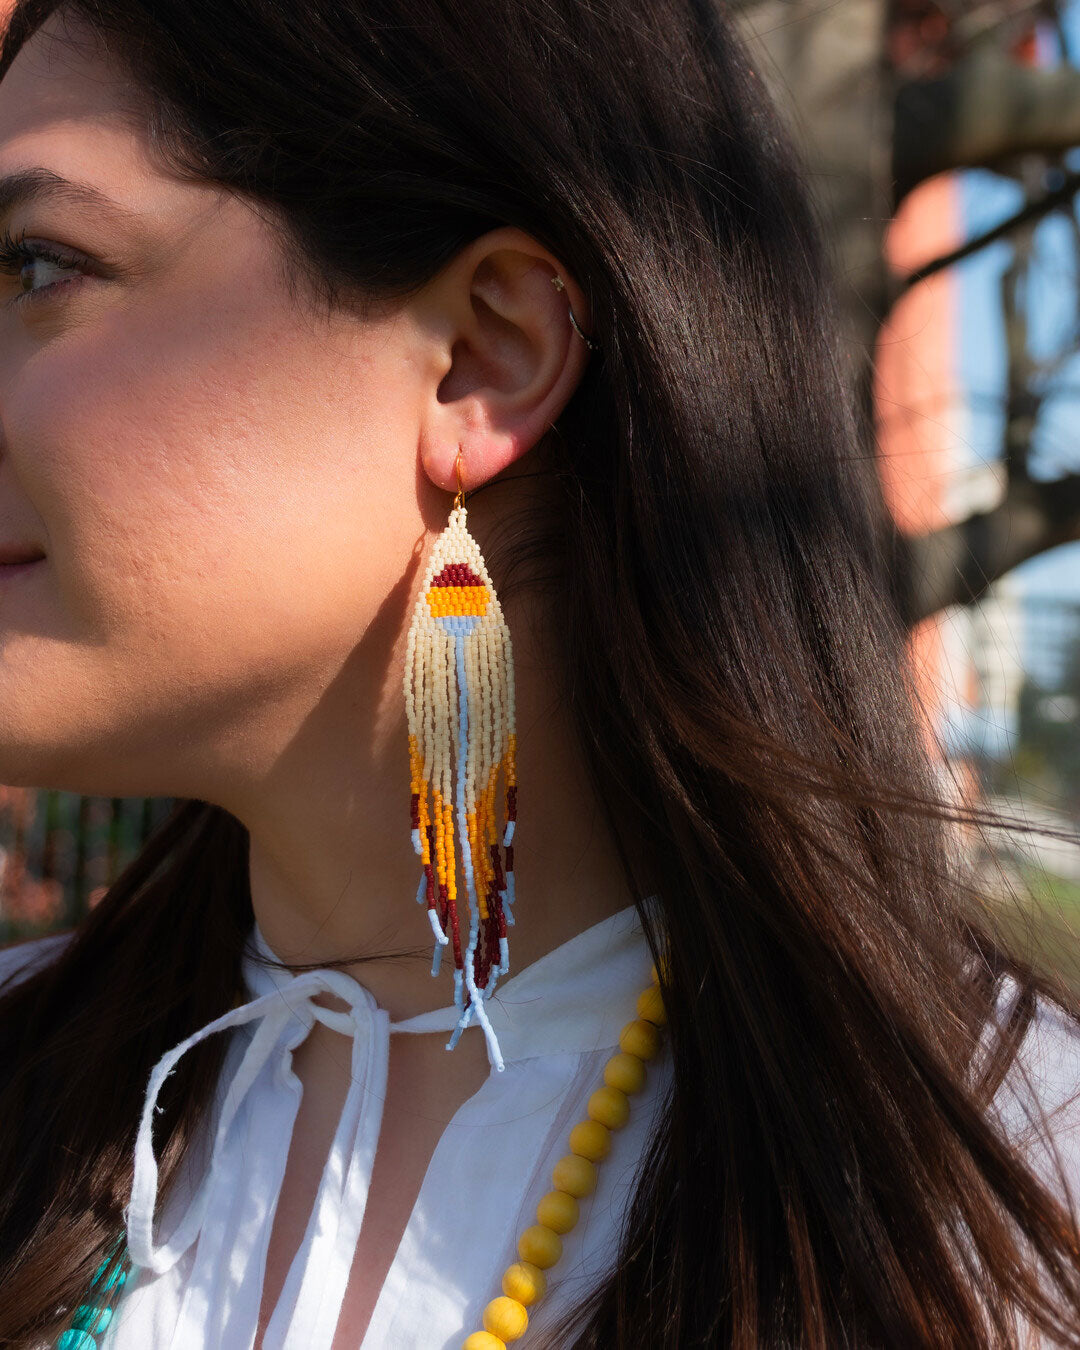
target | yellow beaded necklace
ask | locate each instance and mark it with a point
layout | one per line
(524, 1283)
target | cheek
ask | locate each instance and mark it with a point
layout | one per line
(227, 504)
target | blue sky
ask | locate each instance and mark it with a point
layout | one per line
(987, 199)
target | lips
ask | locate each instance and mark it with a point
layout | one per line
(19, 553)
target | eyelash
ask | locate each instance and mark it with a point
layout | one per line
(15, 254)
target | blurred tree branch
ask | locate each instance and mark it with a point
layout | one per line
(986, 110)
(881, 97)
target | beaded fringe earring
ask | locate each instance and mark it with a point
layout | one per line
(459, 702)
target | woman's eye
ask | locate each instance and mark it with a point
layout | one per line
(37, 268)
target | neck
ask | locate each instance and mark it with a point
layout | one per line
(332, 869)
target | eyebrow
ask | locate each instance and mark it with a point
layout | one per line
(41, 184)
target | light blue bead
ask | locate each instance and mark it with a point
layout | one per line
(76, 1340)
(88, 1318)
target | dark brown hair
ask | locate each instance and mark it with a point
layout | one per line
(825, 1173)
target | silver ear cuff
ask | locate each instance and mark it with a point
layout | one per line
(557, 282)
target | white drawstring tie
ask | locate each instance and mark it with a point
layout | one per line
(293, 1000)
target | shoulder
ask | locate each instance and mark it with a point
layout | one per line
(1038, 1102)
(23, 959)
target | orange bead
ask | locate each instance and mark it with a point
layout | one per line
(557, 1211)
(540, 1246)
(625, 1072)
(525, 1282)
(506, 1318)
(610, 1107)
(640, 1038)
(483, 1340)
(589, 1139)
(650, 1006)
(574, 1175)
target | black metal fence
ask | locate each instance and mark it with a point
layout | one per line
(59, 852)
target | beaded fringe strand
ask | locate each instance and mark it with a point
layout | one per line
(459, 703)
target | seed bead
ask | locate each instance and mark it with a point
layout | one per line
(625, 1072)
(506, 1318)
(557, 1211)
(525, 1282)
(574, 1175)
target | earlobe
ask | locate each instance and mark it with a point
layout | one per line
(448, 467)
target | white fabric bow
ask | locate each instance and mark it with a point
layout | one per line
(293, 1000)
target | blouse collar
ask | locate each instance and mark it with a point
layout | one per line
(574, 998)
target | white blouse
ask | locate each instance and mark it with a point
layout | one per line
(200, 1257)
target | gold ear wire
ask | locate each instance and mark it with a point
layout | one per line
(459, 495)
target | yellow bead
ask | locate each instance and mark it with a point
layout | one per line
(650, 1006)
(640, 1038)
(506, 1318)
(625, 1072)
(483, 1340)
(589, 1139)
(574, 1175)
(525, 1282)
(557, 1211)
(540, 1246)
(610, 1107)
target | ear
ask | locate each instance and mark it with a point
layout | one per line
(503, 355)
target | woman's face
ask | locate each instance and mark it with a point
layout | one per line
(224, 486)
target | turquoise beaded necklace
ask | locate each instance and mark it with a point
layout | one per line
(92, 1318)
